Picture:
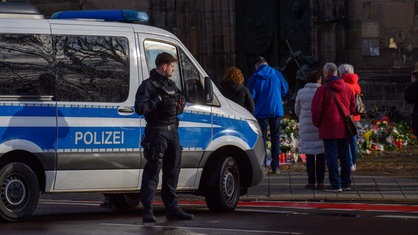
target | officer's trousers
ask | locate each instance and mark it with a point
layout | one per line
(165, 154)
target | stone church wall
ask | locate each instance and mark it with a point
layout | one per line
(358, 32)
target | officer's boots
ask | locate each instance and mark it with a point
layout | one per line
(149, 217)
(179, 214)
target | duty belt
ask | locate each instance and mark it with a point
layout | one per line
(163, 128)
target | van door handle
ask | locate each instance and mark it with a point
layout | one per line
(126, 109)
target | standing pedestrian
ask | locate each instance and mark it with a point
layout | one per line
(234, 90)
(411, 96)
(268, 87)
(160, 101)
(351, 79)
(329, 120)
(310, 143)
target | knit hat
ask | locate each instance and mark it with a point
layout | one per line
(416, 68)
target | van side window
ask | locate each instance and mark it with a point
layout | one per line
(26, 62)
(153, 48)
(92, 68)
(185, 71)
(193, 80)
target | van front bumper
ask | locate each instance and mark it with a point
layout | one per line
(256, 156)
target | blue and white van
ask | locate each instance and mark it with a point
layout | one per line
(67, 122)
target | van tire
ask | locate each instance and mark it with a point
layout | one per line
(124, 201)
(223, 189)
(19, 192)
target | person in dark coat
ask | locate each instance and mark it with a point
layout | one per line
(233, 89)
(411, 96)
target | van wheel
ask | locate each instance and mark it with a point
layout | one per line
(124, 201)
(223, 189)
(19, 192)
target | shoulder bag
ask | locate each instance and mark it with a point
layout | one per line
(350, 126)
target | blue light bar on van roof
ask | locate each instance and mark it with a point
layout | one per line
(106, 15)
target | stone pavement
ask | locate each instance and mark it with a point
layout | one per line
(289, 185)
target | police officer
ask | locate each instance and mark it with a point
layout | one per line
(160, 101)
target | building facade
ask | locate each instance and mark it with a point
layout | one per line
(378, 37)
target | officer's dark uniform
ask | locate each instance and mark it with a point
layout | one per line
(160, 101)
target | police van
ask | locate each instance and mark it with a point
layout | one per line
(67, 119)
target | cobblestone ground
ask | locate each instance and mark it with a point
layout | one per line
(398, 162)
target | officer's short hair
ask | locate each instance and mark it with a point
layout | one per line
(164, 58)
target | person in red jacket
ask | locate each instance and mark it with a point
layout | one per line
(330, 122)
(351, 79)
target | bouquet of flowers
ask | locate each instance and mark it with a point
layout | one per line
(289, 137)
(373, 135)
(383, 135)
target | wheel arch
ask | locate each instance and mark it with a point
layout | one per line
(30, 160)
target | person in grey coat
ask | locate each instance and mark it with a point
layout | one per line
(310, 143)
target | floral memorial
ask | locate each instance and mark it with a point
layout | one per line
(373, 135)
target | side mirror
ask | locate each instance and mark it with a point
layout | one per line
(208, 90)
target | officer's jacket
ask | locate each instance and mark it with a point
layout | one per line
(159, 100)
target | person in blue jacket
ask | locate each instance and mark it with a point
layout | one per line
(268, 87)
